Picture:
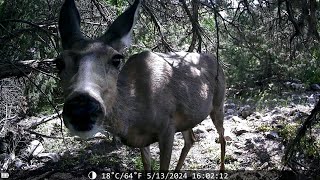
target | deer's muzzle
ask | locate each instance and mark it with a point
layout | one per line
(81, 112)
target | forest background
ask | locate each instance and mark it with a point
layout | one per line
(267, 47)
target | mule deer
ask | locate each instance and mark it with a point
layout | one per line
(151, 98)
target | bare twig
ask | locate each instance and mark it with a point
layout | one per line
(193, 17)
(98, 6)
(217, 30)
(312, 118)
(44, 120)
(155, 21)
(29, 23)
(43, 135)
(20, 68)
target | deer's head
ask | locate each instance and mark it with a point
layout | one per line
(88, 68)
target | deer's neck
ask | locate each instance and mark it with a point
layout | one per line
(119, 117)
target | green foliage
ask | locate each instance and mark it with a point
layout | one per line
(264, 128)
(308, 146)
(311, 75)
(26, 35)
(259, 52)
(288, 131)
(208, 23)
(118, 4)
(310, 69)
(40, 95)
(139, 165)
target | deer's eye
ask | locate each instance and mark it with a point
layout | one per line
(116, 60)
(59, 64)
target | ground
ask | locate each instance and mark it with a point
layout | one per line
(256, 130)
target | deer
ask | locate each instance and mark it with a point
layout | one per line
(144, 100)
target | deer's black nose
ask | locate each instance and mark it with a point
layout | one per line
(82, 112)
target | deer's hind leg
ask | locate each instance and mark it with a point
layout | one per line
(217, 116)
(189, 140)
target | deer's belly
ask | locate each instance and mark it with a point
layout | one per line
(184, 122)
(138, 139)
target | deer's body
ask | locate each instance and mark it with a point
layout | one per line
(151, 98)
(159, 90)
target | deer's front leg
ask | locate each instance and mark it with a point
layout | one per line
(165, 145)
(146, 158)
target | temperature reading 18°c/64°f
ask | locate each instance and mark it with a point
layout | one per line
(122, 175)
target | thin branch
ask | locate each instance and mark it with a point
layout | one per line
(292, 20)
(39, 88)
(44, 120)
(20, 68)
(194, 23)
(312, 118)
(98, 6)
(217, 31)
(43, 135)
(155, 21)
(40, 27)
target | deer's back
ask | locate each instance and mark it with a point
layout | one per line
(174, 88)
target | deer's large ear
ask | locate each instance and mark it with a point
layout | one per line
(69, 24)
(119, 33)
